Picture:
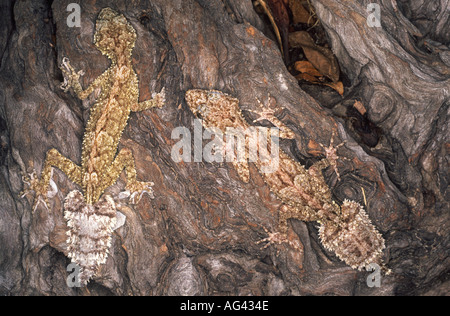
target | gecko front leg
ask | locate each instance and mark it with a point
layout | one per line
(40, 187)
(268, 113)
(72, 80)
(331, 156)
(157, 101)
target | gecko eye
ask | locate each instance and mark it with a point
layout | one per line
(201, 109)
(199, 115)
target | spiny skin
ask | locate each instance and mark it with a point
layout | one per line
(101, 164)
(346, 230)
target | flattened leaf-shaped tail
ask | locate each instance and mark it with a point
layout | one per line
(90, 232)
(355, 240)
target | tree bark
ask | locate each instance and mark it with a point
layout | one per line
(199, 235)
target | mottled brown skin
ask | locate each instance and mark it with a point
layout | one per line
(91, 217)
(345, 230)
(101, 165)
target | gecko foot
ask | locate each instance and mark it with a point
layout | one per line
(160, 98)
(277, 238)
(136, 190)
(70, 75)
(331, 154)
(266, 112)
(41, 190)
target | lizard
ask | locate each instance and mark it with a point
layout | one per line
(90, 216)
(345, 229)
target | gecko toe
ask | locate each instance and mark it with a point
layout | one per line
(277, 238)
(136, 191)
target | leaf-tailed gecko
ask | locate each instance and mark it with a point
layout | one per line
(346, 230)
(90, 216)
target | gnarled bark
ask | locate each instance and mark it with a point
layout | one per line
(199, 235)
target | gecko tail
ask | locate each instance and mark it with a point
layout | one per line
(354, 239)
(90, 232)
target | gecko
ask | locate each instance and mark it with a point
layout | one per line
(345, 229)
(91, 216)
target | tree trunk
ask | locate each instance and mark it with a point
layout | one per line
(199, 235)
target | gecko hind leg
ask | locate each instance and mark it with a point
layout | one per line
(40, 187)
(135, 189)
(281, 237)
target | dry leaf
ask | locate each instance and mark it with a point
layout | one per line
(279, 18)
(301, 38)
(322, 58)
(269, 14)
(300, 14)
(280, 13)
(312, 75)
(308, 77)
(306, 67)
(360, 107)
(338, 86)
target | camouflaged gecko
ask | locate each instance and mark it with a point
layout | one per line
(346, 230)
(90, 216)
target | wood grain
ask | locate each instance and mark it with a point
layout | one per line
(198, 236)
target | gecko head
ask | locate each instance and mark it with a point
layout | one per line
(114, 35)
(215, 108)
(197, 101)
(353, 238)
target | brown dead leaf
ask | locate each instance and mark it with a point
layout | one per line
(312, 75)
(278, 15)
(338, 86)
(281, 17)
(360, 107)
(300, 14)
(308, 77)
(320, 57)
(265, 7)
(306, 67)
